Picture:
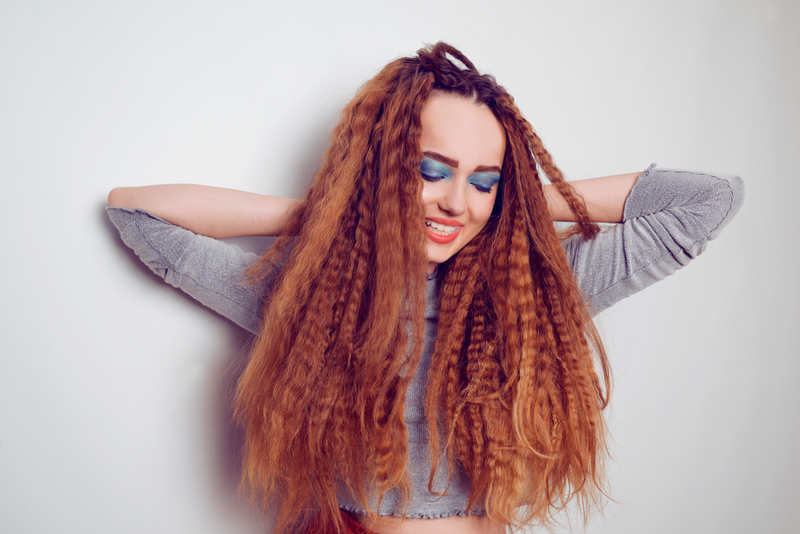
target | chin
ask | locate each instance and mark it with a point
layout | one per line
(439, 256)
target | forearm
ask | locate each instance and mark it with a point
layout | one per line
(605, 198)
(211, 211)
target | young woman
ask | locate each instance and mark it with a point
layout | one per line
(467, 400)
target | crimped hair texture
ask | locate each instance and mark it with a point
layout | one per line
(513, 393)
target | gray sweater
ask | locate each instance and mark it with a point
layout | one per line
(669, 217)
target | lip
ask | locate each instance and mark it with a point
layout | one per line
(443, 239)
(446, 222)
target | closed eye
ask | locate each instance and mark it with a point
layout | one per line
(432, 177)
(433, 171)
(484, 181)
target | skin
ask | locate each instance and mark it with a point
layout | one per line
(212, 211)
(473, 524)
(462, 143)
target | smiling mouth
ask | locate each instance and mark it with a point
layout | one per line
(440, 229)
(441, 233)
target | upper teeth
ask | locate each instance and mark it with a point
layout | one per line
(442, 229)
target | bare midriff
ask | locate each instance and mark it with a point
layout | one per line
(473, 524)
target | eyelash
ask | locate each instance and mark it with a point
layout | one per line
(431, 177)
(482, 188)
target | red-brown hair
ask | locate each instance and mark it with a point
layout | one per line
(512, 390)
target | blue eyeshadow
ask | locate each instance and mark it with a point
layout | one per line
(434, 169)
(484, 179)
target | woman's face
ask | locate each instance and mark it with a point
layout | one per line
(463, 146)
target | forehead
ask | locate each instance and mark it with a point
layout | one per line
(462, 130)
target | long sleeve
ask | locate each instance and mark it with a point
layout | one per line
(207, 269)
(669, 217)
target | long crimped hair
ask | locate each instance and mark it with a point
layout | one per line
(512, 395)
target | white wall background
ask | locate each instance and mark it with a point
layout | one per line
(115, 389)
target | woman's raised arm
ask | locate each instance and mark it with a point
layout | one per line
(211, 211)
(668, 216)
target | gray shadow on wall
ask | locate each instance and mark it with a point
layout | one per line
(228, 435)
(225, 436)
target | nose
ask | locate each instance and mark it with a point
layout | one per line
(453, 196)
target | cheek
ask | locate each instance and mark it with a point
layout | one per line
(482, 207)
(427, 193)
(431, 192)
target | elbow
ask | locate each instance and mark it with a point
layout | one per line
(734, 188)
(737, 188)
(120, 197)
(731, 189)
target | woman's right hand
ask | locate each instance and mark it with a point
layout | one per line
(211, 211)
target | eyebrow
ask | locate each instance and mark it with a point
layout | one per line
(443, 159)
(453, 163)
(484, 168)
